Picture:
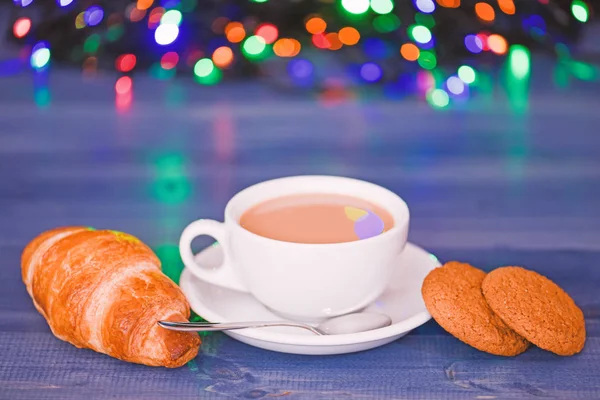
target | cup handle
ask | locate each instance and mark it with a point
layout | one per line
(224, 276)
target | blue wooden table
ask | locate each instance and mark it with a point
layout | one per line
(493, 182)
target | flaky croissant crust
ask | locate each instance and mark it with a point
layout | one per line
(104, 290)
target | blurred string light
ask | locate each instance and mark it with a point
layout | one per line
(253, 47)
(410, 52)
(315, 25)
(286, 47)
(519, 61)
(21, 27)
(349, 36)
(382, 6)
(386, 23)
(427, 60)
(449, 3)
(420, 33)
(300, 69)
(40, 56)
(438, 98)
(425, 6)
(371, 72)
(268, 32)
(580, 10)
(497, 44)
(334, 41)
(93, 15)
(206, 72)
(455, 85)
(507, 6)
(467, 74)
(235, 32)
(173, 17)
(144, 4)
(125, 62)
(23, 3)
(425, 20)
(485, 12)
(222, 57)
(166, 34)
(356, 6)
(80, 21)
(473, 43)
(169, 60)
(155, 17)
(135, 14)
(64, 3)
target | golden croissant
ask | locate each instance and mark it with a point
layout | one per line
(105, 291)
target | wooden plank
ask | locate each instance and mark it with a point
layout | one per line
(484, 185)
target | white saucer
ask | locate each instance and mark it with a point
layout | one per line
(401, 300)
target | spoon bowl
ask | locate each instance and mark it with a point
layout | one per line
(349, 323)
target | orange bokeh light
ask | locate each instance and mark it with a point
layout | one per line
(497, 44)
(410, 52)
(223, 57)
(286, 47)
(334, 41)
(235, 32)
(349, 36)
(144, 4)
(507, 6)
(449, 3)
(316, 25)
(485, 12)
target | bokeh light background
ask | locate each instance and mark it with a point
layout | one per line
(443, 52)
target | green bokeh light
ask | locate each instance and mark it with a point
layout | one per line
(425, 20)
(419, 33)
(386, 23)
(204, 67)
(580, 10)
(254, 46)
(92, 43)
(356, 6)
(40, 58)
(467, 74)
(188, 5)
(427, 60)
(583, 71)
(382, 6)
(519, 61)
(171, 17)
(212, 78)
(438, 98)
(114, 33)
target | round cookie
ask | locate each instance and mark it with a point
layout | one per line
(452, 294)
(536, 308)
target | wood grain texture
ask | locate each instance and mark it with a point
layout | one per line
(485, 185)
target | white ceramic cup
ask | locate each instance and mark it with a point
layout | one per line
(299, 280)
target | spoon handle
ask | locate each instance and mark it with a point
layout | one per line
(225, 326)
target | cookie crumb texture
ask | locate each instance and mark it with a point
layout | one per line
(452, 294)
(536, 308)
